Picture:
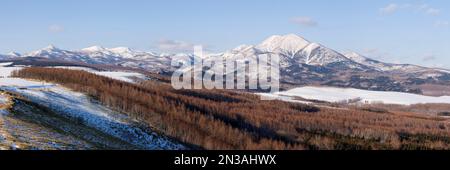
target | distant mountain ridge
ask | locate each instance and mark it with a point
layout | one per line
(292, 48)
(302, 63)
(121, 56)
(308, 63)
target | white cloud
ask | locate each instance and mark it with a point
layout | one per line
(381, 55)
(429, 57)
(166, 45)
(371, 50)
(55, 28)
(436, 65)
(422, 8)
(427, 9)
(433, 11)
(389, 9)
(174, 45)
(441, 23)
(375, 53)
(305, 21)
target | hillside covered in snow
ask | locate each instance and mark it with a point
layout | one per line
(73, 120)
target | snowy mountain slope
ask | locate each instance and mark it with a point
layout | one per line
(381, 66)
(406, 68)
(10, 55)
(316, 54)
(302, 63)
(288, 44)
(52, 52)
(77, 106)
(298, 57)
(85, 112)
(120, 56)
(292, 50)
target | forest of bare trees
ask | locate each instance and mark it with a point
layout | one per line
(218, 119)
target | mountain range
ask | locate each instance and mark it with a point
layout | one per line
(302, 63)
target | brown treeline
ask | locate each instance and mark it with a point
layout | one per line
(218, 119)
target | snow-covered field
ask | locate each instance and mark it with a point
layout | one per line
(79, 107)
(5, 64)
(331, 94)
(122, 76)
(275, 96)
(117, 75)
(5, 73)
(6, 80)
(18, 82)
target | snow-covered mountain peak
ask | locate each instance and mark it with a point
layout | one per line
(292, 50)
(94, 49)
(118, 51)
(121, 50)
(14, 54)
(50, 48)
(290, 43)
(165, 54)
(243, 47)
(45, 51)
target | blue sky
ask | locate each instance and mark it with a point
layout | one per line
(401, 31)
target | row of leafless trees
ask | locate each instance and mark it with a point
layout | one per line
(217, 119)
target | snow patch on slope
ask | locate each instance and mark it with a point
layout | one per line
(117, 75)
(6, 71)
(79, 107)
(289, 43)
(122, 76)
